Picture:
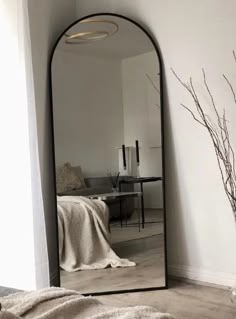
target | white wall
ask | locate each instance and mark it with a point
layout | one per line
(142, 119)
(191, 34)
(48, 18)
(18, 266)
(88, 112)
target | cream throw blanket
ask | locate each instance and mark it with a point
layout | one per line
(84, 238)
(59, 303)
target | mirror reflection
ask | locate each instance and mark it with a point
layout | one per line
(108, 157)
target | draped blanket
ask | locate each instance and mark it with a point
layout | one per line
(84, 238)
(59, 303)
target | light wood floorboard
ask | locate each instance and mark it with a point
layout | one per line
(148, 253)
(145, 248)
(183, 300)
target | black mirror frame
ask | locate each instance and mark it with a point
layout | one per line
(55, 280)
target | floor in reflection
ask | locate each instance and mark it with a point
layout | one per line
(145, 248)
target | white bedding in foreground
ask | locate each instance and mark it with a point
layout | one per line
(56, 303)
(84, 238)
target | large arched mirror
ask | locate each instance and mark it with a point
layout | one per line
(108, 133)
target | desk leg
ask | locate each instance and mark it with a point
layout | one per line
(121, 223)
(126, 217)
(142, 205)
(138, 211)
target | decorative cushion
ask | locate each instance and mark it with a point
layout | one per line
(69, 178)
(78, 171)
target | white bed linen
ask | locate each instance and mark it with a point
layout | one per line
(84, 238)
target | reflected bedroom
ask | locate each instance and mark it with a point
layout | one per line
(108, 157)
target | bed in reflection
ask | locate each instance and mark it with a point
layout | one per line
(96, 250)
(84, 236)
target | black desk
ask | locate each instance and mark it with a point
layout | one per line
(107, 197)
(141, 181)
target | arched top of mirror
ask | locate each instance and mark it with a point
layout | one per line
(107, 64)
(109, 36)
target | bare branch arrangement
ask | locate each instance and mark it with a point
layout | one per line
(154, 86)
(114, 179)
(219, 134)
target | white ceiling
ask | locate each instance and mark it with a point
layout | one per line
(128, 41)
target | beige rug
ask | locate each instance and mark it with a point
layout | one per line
(55, 303)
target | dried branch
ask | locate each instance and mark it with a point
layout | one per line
(231, 87)
(192, 114)
(234, 56)
(154, 86)
(219, 134)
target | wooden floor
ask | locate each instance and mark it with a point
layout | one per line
(145, 248)
(183, 300)
(148, 254)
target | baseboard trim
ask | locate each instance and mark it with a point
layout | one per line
(203, 276)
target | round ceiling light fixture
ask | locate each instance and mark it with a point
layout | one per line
(92, 30)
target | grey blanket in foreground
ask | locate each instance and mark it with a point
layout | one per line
(60, 303)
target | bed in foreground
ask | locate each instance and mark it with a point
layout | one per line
(55, 303)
